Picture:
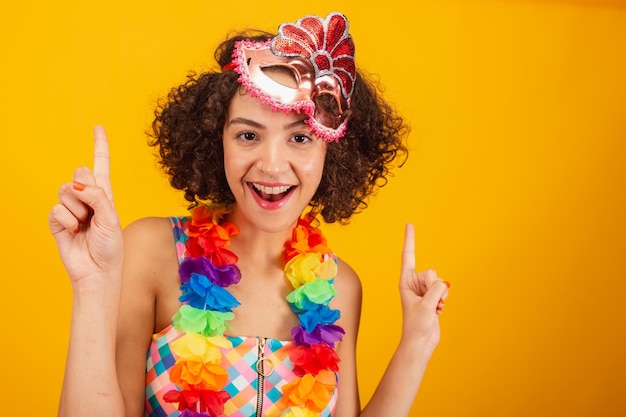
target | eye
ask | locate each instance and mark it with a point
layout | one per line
(301, 138)
(247, 136)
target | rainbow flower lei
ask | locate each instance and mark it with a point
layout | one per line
(208, 269)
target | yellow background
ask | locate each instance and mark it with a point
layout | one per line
(516, 182)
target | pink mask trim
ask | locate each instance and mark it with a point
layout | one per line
(320, 55)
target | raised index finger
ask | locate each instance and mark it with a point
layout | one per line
(408, 249)
(102, 161)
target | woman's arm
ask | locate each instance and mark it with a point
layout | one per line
(348, 301)
(420, 335)
(86, 228)
(150, 268)
(422, 295)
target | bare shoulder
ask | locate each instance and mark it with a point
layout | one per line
(347, 279)
(148, 248)
(147, 240)
(152, 264)
(349, 290)
(148, 230)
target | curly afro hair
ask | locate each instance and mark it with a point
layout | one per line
(188, 124)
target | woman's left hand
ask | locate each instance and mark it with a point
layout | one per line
(422, 295)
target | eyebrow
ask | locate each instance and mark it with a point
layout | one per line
(253, 123)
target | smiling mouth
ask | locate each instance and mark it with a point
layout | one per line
(272, 194)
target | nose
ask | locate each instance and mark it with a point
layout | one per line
(272, 159)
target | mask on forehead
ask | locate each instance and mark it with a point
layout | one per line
(308, 67)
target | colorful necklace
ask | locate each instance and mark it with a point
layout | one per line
(208, 269)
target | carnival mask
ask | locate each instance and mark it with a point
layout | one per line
(318, 55)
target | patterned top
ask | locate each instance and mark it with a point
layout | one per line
(247, 388)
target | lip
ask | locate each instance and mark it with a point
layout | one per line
(270, 205)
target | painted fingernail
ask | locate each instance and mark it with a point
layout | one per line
(447, 284)
(77, 230)
(78, 186)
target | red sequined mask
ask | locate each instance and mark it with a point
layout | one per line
(309, 66)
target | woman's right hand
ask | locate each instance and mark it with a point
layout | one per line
(85, 224)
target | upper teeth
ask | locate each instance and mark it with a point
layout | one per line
(271, 190)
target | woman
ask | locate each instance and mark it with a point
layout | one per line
(241, 308)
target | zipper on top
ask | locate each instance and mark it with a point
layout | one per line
(264, 368)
